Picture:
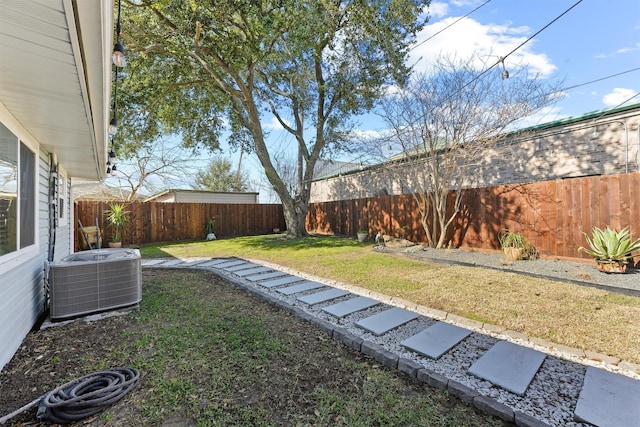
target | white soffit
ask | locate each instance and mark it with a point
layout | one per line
(54, 77)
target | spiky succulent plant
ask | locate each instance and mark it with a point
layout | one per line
(609, 244)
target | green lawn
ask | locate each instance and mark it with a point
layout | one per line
(572, 315)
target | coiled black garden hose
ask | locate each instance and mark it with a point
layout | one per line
(83, 396)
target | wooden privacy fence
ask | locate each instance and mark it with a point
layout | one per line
(151, 222)
(553, 214)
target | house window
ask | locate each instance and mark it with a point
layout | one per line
(17, 193)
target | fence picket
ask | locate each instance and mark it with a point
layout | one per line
(553, 214)
(154, 222)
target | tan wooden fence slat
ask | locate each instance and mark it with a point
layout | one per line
(154, 222)
(552, 214)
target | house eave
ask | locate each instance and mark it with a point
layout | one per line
(55, 90)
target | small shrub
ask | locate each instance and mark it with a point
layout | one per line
(516, 246)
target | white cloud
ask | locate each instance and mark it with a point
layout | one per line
(438, 9)
(368, 135)
(468, 37)
(274, 124)
(619, 96)
(628, 49)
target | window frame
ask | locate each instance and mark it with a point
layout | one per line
(13, 259)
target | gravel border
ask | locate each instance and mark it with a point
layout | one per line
(582, 273)
(550, 399)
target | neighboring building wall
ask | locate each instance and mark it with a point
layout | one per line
(564, 149)
(190, 196)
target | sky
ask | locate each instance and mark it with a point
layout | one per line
(596, 40)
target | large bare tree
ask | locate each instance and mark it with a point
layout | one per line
(447, 124)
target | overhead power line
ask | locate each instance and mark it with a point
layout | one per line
(600, 79)
(448, 26)
(502, 58)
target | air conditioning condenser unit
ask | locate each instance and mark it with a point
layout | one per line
(95, 280)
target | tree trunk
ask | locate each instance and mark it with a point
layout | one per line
(295, 216)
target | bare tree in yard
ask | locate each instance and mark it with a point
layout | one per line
(312, 65)
(153, 167)
(446, 125)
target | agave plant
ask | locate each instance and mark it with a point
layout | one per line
(609, 244)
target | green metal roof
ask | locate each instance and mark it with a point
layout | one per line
(576, 119)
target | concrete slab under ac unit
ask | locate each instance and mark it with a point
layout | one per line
(608, 399)
(387, 320)
(436, 340)
(322, 296)
(509, 366)
(302, 287)
(349, 306)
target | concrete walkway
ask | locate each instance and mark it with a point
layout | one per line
(412, 339)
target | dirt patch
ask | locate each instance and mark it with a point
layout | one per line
(209, 353)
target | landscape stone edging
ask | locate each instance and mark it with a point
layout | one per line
(493, 407)
(387, 358)
(548, 347)
(525, 420)
(384, 356)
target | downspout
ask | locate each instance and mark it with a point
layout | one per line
(53, 205)
(53, 222)
(626, 154)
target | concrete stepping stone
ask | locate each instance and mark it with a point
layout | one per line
(265, 276)
(252, 271)
(436, 340)
(150, 262)
(230, 263)
(302, 287)
(608, 399)
(193, 262)
(349, 306)
(280, 281)
(172, 262)
(240, 267)
(509, 366)
(387, 320)
(214, 262)
(322, 296)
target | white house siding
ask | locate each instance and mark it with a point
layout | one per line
(22, 287)
(21, 304)
(564, 151)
